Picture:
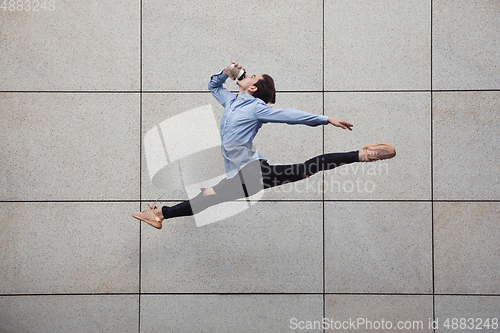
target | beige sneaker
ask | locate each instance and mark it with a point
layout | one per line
(151, 215)
(380, 151)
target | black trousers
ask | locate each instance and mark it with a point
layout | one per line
(256, 176)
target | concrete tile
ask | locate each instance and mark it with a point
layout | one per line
(69, 146)
(383, 313)
(378, 247)
(184, 44)
(228, 313)
(465, 44)
(75, 46)
(69, 313)
(456, 313)
(287, 144)
(271, 247)
(179, 151)
(466, 252)
(68, 248)
(400, 119)
(377, 45)
(465, 140)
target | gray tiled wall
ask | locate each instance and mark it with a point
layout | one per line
(414, 239)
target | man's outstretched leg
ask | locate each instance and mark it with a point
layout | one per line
(259, 176)
(276, 175)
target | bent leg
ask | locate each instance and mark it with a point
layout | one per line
(247, 182)
(206, 198)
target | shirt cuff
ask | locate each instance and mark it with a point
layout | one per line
(222, 73)
(219, 78)
(324, 120)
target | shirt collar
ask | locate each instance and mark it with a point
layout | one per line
(245, 95)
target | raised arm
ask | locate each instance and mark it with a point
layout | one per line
(216, 85)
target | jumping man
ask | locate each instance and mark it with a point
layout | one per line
(247, 171)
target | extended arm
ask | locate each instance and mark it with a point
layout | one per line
(267, 114)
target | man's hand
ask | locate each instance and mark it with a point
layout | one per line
(228, 73)
(340, 123)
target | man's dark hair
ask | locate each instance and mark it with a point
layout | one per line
(265, 89)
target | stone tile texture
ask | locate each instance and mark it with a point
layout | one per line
(375, 313)
(66, 248)
(465, 128)
(229, 313)
(468, 313)
(466, 251)
(104, 108)
(377, 45)
(283, 39)
(69, 313)
(270, 248)
(57, 146)
(71, 46)
(400, 119)
(465, 45)
(366, 254)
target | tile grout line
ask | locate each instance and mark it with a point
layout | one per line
(432, 174)
(323, 173)
(323, 201)
(263, 200)
(140, 175)
(240, 293)
(141, 92)
(207, 92)
(277, 91)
